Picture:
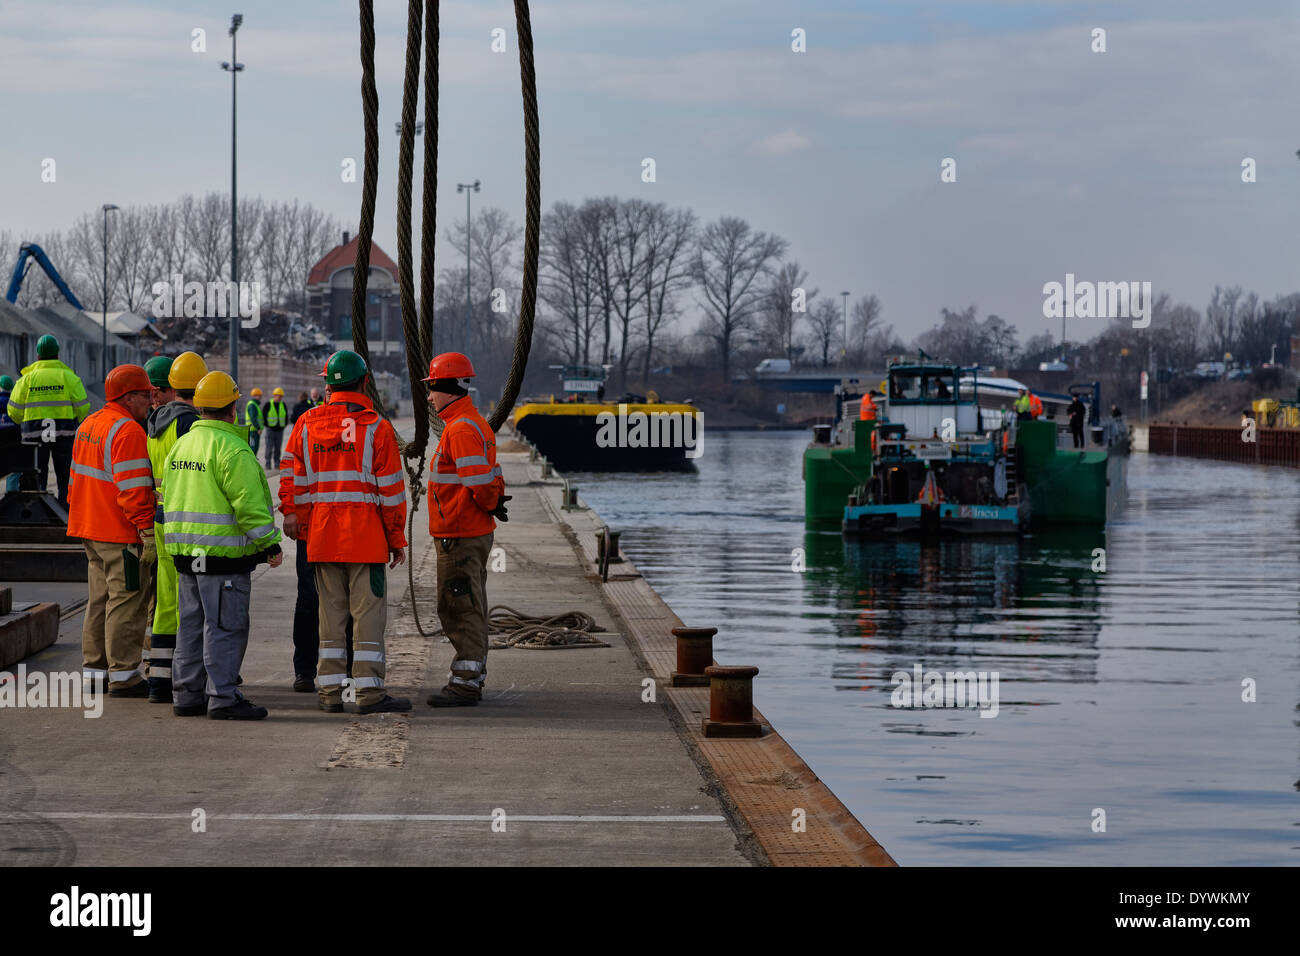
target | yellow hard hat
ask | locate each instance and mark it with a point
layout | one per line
(215, 390)
(256, 393)
(279, 392)
(187, 370)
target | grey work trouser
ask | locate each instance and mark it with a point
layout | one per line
(211, 637)
(462, 609)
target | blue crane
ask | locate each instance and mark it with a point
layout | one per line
(20, 272)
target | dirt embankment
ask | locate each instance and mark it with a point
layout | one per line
(1221, 403)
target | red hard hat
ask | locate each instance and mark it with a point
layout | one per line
(450, 365)
(125, 379)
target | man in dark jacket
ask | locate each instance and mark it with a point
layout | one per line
(1076, 411)
(303, 405)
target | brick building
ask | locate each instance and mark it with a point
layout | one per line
(329, 302)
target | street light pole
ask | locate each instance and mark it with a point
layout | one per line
(103, 352)
(233, 68)
(844, 352)
(467, 188)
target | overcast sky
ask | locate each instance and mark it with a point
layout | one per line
(1123, 165)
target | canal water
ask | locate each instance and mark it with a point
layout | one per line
(1120, 692)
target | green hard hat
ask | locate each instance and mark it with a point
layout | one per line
(6, 383)
(158, 368)
(47, 347)
(344, 366)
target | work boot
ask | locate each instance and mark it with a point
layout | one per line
(244, 710)
(190, 710)
(389, 705)
(140, 689)
(304, 684)
(94, 685)
(160, 690)
(331, 707)
(449, 698)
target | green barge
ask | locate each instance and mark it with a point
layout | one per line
(946, 456)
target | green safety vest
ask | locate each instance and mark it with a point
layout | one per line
(1022, 403)
(48, 389)
(253, 415)
(216, 500)
(276, 415)
(159, 447)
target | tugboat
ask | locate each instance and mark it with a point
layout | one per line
(581, 431)
(943, 464)
(947, 457)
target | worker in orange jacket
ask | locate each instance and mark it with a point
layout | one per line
(111, 508)
(468, 493)
(1035, 407)
(347, 495)
(867, 412)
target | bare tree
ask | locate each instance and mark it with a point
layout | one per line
(209, 238)
(866, 325)
(825, 323)
(667, 270)
(566, 280)
(492, 244)
(780, 320)
(1221, 318)
(629, 248)
(729, 259)
(598, 217)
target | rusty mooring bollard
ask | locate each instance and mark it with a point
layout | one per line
(731, 703)
(694, 654)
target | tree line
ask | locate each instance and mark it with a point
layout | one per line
(279, 242)
(617, 279)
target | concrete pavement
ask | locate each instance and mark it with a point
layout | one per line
(562, 763)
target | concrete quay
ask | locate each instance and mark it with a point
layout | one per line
(565, 762)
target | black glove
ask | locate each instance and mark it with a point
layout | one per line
(499, 512)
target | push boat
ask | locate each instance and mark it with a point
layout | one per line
(947, 456)
(581, 431)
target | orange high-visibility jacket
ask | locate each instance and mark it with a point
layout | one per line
(867, 411)
(466, 483)
(344, 482)
(1035, 406)
(111, 498)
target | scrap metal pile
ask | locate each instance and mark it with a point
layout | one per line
(276, 333)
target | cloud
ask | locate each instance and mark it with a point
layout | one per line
(783, 143)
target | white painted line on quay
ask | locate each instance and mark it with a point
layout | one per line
(371, 817)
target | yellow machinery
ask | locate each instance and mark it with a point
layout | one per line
(1270, 413)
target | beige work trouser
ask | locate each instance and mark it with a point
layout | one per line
(356, 590)
(112, 634)
(462, 609)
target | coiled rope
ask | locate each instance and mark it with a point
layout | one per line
(418, 331)
(511, 628)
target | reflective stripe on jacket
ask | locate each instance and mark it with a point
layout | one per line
(215, 498)
(342, 476)
(111, 498)
(48, 389)
(465, 483)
